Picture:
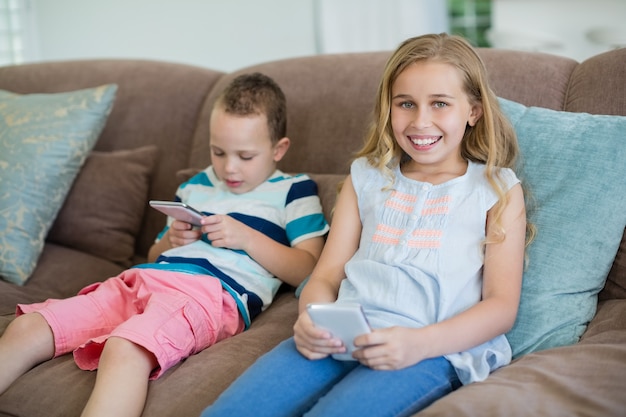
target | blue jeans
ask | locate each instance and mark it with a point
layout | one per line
(285, 383)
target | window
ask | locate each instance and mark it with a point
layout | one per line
(470, 19)
(16, 31)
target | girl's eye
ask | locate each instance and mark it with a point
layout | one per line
(218, 153)
(439, 105)
(406, 105)
(246, 158)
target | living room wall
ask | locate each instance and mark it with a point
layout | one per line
(213, 33)
(559, 27)
(231, 34)
(227, 35)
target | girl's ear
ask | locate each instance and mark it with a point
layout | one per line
(475, 114)
(280, 148)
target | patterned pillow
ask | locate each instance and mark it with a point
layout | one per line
(44, 140)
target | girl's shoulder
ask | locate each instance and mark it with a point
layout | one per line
(360, 164)
(509, 177)
(506, 176)
(480, 168)
(362, 172)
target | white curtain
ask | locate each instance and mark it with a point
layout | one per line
(374, 25)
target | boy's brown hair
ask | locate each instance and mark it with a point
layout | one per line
(257, 94)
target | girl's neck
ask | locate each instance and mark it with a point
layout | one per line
(436, 174)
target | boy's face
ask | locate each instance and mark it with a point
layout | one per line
(242, 153)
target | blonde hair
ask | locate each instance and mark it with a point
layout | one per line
(492, 141)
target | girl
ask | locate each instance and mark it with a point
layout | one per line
(428, 236)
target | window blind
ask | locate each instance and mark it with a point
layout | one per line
(15, 31)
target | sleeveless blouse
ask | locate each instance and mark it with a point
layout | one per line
(420, 256)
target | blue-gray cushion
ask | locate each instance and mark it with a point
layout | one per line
(44, 140)
(574, 165)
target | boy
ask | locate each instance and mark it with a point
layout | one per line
(204, 284)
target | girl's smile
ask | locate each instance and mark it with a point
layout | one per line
(424, 142)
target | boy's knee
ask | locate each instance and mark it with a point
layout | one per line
(28, 326)
(30, 334)
(125, 350)
(121, 347)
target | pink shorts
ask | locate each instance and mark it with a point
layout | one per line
(170, 314)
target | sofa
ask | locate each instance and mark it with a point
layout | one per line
(160, 121)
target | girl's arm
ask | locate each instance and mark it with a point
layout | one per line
(494, 315)
(342, 243)
(323, 286)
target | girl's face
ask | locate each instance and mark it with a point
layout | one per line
(429, 113)
(242, 153)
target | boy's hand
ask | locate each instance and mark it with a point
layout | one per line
(181, 233)
(225, 232)
(313, 342)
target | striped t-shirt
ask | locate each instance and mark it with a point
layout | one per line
(285, 208)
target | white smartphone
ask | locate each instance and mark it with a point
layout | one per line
(344, 321)
(179, 211)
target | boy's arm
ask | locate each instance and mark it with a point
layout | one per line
(289, 264)
(178, 234)
(158, 248)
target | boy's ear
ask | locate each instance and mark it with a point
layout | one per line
(280, 148)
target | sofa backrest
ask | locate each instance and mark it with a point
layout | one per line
(329, 100)
(598, 85)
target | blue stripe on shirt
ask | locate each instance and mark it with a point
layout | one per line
(201, 178)
(304, 225)
(301, 189)
(266, 227)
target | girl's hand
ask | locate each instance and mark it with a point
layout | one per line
(391, 348)
(312, 342)
(181, 233)
(225, 232)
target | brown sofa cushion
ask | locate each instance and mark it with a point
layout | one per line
(104, 209)
(616, 284)
(586, 379)
(328, 186)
